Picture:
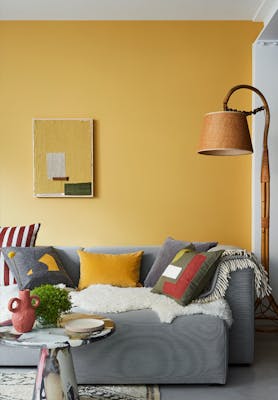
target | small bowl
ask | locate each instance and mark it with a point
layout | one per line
(84, 325)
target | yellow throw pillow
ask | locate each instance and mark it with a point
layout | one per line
(111, 269)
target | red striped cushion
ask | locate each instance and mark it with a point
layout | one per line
(17, 236)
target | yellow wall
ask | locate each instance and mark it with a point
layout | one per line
(147, 86)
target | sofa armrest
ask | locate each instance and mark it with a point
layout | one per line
(240, 296)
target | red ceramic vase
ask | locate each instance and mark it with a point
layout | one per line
(23, 310)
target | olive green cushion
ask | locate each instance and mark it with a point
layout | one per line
(187, 275)
(167, 252)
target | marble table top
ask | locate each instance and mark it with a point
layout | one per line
(55, 337)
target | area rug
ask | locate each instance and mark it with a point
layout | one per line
(19, 386)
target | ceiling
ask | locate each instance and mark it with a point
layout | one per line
(134, 9)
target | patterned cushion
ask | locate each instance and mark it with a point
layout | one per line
(167, 252)
(35, 266)
(19, 236)
(187, 275)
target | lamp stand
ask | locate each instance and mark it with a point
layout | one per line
(265, 309)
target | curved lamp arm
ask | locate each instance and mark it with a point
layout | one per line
(265, 175)
(264, 107)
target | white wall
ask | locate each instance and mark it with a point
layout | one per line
(265, 70)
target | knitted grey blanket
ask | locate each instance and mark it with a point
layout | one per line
(230, 261)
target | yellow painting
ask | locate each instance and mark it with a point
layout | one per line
(63, 157)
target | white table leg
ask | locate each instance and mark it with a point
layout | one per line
(55, 378)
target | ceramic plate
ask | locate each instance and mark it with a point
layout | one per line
(84, 325)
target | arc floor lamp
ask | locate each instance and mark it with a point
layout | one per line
(226, 133)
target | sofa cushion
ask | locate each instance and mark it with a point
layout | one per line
(143, 350)
(112, 269)
(187, 275)
(19, 236)
(167, 252)
(35, 266)
(70, 260)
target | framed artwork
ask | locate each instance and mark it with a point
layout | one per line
(63, 157)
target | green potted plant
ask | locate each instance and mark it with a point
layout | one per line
(53, 302)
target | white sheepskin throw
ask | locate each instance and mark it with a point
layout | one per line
(111, 299)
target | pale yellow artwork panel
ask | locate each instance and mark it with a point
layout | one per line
(63, 157)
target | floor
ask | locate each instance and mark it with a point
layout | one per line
(256, 382)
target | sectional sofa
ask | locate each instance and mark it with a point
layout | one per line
(194, 349)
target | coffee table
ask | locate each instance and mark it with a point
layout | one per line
(55, 378)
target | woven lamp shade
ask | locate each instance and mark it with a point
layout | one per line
(225, 133)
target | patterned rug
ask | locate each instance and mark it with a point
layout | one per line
(19, 386)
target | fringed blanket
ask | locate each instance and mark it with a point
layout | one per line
(233, 260)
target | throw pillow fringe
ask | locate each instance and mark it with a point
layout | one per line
(233, 260)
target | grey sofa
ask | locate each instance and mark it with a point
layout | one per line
(192, 349)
